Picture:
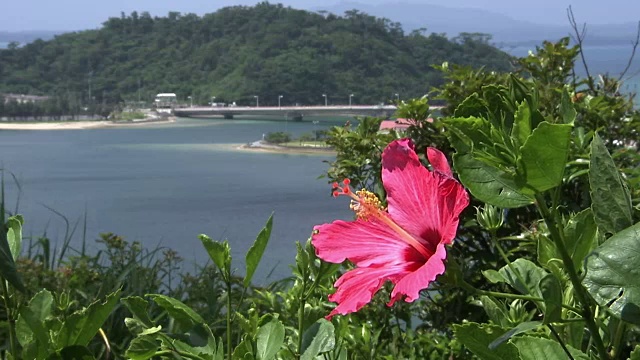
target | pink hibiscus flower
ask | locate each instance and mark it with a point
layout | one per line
(404, 243)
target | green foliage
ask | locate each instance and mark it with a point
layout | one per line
(44, 333)
(477, 338)
(319, 338)
(238, 52)
(358, 153)
(128, 116)
(532, 348)
(269, 340)
(422, 129)
(612, 276)
(10, 244)
(611, 206)
(254, 255)
(277, 137)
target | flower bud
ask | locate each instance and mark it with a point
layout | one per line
(489, 217)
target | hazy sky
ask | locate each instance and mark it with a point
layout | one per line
(19, 15)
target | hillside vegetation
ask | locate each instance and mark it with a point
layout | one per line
(239, 52)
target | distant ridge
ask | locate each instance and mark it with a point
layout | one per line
(504, 29)
(24, 37)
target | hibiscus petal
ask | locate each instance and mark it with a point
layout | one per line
(356, 287)
(411, 284)
(364, 243)
(438, 161)
(426, 204)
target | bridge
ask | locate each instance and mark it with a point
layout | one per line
(295, 113)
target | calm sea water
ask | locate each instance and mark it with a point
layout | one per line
(164, 185)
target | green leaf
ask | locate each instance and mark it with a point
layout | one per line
(575, 333)
(496, 311)
(139, 307)
(471, 106)
(551, 290)
(635, 354)
(517, 330)
(8, 268)
(613, 275)
(610, 198)
(81, 326)
(75, 352)
(257, 250)
(522, 123)
(142, 348)
(270, 338)
(477, 337)
(469, 133)
(319, 338)
(177, 309)
(546, 251)
(493, 276)
(30, 325)
(544, 156)
(489, 184)
(201, 337)
(243, 351)
(581, 234)
(302, 259)
(534, 348)
(14, 234)
(531, 275)
(220, 253)
(567, 110)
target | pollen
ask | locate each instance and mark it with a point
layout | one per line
(363, 202)
(366, 205)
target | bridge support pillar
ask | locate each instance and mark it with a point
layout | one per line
(228, 116)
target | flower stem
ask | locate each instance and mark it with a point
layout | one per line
(559, 339)
(557, 237)
(615, 352)
(229, 350)
(10, 319)
(496, 294)
(302, 302)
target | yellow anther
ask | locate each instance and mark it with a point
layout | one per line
(366, 204)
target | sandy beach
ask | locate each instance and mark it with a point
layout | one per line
(80, 125)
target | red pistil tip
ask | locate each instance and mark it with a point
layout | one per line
(346, 182)
(346, 190)
(335, 194)
(335, 185)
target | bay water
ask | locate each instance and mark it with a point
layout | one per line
(164, 184)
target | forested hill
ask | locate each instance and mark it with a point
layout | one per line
(239, 52)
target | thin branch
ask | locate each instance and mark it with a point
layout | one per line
(579, 39)
(633, 53)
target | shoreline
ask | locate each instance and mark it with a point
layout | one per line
(264, 147)
(82, 124)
